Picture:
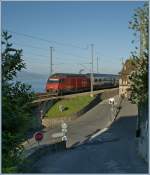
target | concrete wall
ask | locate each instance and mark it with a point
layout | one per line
(36, 123)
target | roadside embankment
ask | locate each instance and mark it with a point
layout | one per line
(52, 122)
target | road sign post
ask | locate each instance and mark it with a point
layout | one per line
(64, 131)
(38, 137)
(61, 134)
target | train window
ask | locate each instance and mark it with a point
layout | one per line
(61, 81)
(53, 80)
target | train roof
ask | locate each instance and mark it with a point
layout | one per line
(67, 75)
(103, 75)
(60, 75)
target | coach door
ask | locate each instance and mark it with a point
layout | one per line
(84, 83)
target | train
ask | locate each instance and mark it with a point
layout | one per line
(64, 83)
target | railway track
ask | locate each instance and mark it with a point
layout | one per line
(45, 95)
(40, 97)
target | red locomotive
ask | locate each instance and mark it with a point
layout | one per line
(61, 83)
(66, 83)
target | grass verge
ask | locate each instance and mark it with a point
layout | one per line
(71, 106)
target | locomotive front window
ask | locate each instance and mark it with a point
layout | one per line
(61, 81)
(53, 81)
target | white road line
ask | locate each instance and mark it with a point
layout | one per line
(98, 133)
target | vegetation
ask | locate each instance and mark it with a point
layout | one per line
(16, 111)
(139, 77)
(71, 106)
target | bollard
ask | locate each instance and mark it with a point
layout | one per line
(64, 130)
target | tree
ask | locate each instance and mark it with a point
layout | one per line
(139, 77)
(16, 108)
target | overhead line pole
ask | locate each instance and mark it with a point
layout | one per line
(51, 60)
(92, 53)
(97, 64)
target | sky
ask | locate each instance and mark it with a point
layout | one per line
(70, 28)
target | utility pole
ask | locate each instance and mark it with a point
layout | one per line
(97, 64)
(51, 60)
(92, 53)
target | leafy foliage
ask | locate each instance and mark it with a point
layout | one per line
(139, 77)
(16, 109)
(140, 25)
(139, 80)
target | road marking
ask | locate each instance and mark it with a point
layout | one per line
(98, 133)
(57, 135)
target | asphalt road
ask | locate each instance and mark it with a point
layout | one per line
(114, 151)
(96, 119)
